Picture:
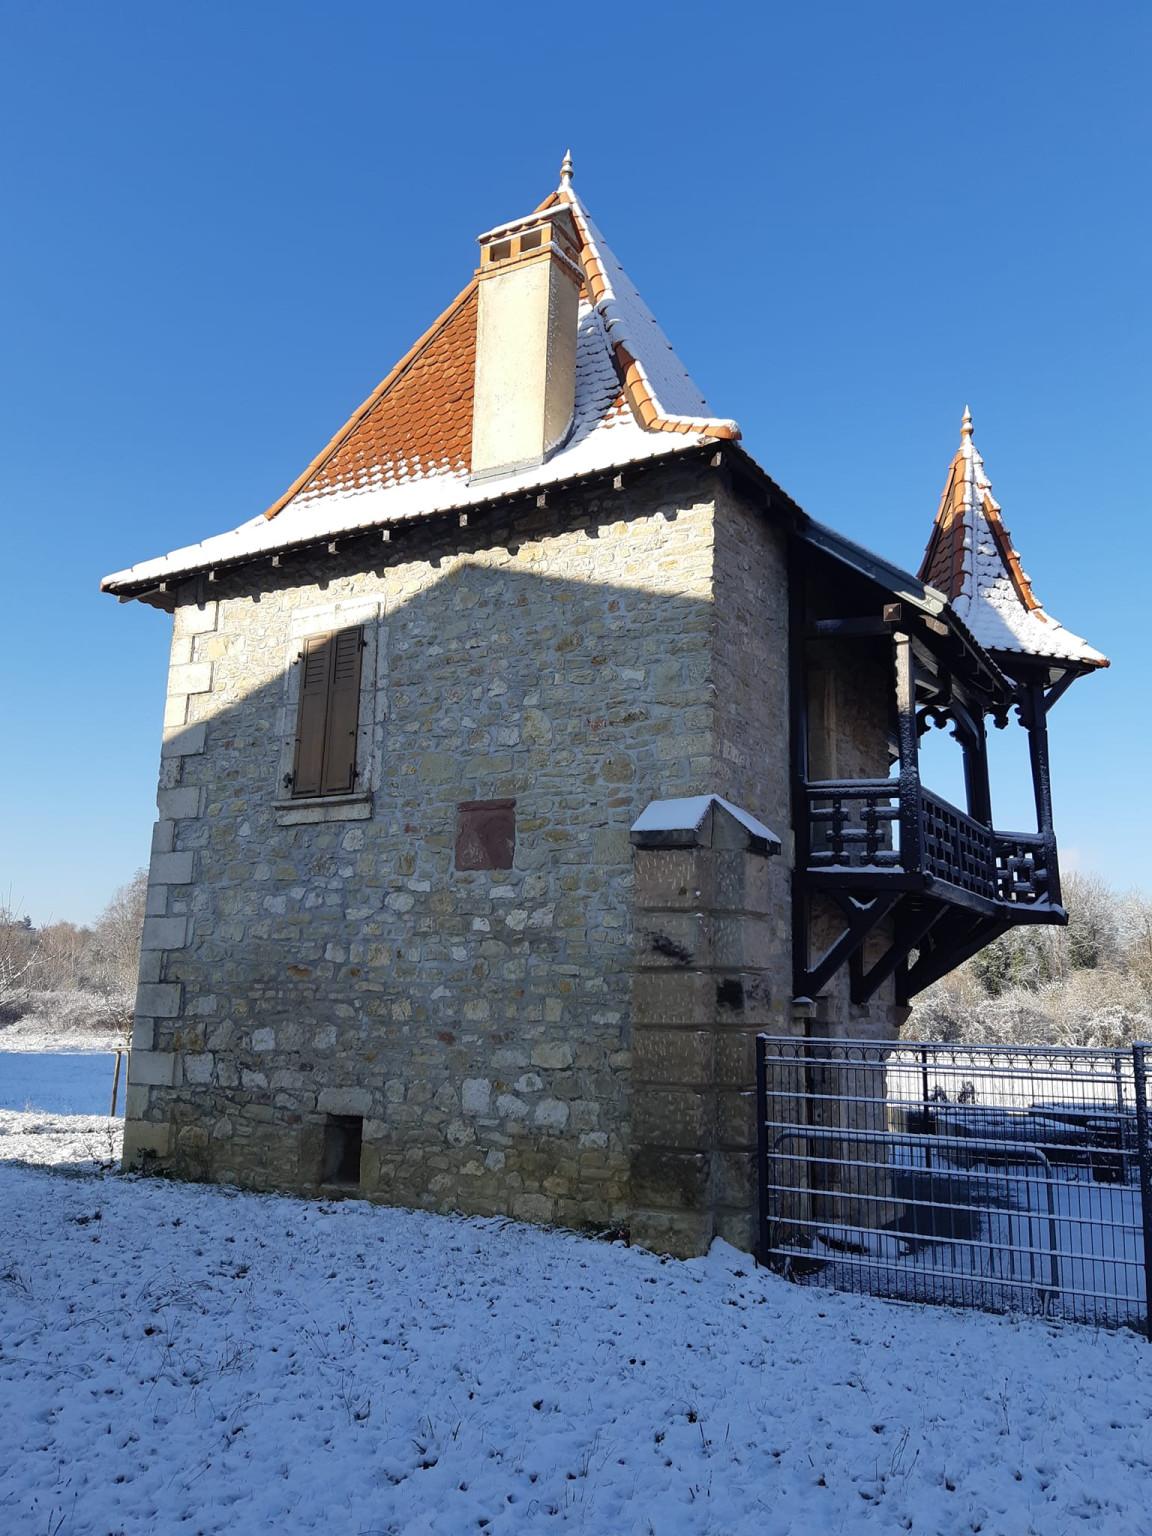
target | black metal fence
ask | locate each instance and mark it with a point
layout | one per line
(1003, 1177)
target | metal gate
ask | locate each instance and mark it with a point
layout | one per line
(1003, 1177)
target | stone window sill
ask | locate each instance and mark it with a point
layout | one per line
(306, 810)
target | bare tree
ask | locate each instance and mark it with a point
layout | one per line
(17, 943)
(116, 932)
(63, 957)
(116, 946)
(1136, 933)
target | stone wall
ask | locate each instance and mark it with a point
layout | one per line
(714, 929)
(309, 960)
(296, 967)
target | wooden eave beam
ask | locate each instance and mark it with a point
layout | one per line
(849, 629)
(1059, 689)
(963, 940)
(953, 655)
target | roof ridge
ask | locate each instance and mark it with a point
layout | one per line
(635, 373)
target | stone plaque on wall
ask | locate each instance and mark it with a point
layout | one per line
(485, 834)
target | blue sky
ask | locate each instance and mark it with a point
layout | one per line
(224, 222)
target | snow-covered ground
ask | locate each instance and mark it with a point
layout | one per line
(89, 1143)
(37, 1032)
(175, 1358)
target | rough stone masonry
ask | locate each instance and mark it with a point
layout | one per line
(310, 962)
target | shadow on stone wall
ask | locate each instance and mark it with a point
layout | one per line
(477, 1022)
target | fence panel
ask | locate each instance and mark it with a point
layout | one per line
(1002, 1177)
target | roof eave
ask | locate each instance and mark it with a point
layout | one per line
(153, 588)
(1010, 661)
(899, 584)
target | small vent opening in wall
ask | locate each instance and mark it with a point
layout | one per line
(343, 1139)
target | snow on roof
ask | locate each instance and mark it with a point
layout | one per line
(660, 380)
(687, 815)
(405, 453)
(605, 436)
(971, 559)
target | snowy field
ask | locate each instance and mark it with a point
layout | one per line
(54, 1110)
(62, 1083)
(38, 1033)
(184, 1359)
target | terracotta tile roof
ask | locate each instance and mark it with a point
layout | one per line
(971, 559)
(417, 421)
(405, 452)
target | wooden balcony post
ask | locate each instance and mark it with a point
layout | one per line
(976, 782)
(1036, 722)
(908, 742)
(1035, 718)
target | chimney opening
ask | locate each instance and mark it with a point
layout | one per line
(500, 251)
(532, 240)
(343, 1141)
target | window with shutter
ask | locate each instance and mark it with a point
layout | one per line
(328, 714)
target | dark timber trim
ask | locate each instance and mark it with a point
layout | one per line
(798, 757)
(864, 918)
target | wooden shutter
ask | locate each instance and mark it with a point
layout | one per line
(325, 762)
(343, 714)
(316, 670)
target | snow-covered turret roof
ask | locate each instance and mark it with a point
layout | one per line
(405, 452)
(971, 559)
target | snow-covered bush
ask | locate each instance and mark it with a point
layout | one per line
(1089, 984)
(74, 1012)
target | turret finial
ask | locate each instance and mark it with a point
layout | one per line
(566, 169)
(966, 423)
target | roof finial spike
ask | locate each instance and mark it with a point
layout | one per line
(966, 423)
(566, 169)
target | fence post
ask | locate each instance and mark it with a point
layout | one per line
(1118, 1073)
(1144, 1153)
(761, 1149)
(116, 1083)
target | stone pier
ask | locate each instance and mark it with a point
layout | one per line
(707, 979)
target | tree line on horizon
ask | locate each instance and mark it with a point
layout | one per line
(75, 977)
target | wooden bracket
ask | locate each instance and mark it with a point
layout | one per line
(863, 917)
(910, 933)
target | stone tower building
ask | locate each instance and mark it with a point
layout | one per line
(535, 750)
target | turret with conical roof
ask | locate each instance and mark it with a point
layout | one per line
(972, 560)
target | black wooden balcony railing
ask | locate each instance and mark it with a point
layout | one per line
(867, 831)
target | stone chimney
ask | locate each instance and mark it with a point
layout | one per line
(529, 279)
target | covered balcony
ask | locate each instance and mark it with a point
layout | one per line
(894, 834)
(878, 851)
